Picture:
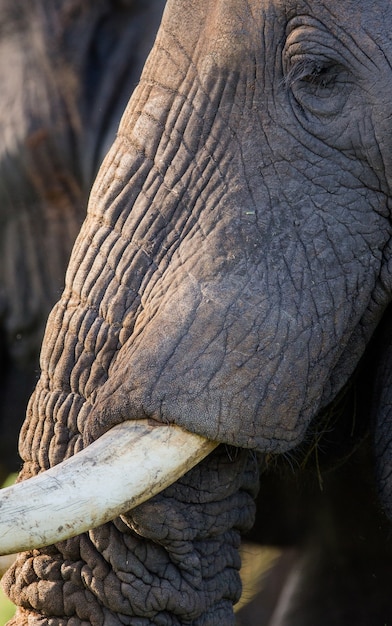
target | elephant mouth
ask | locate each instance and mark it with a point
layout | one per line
(85, 492)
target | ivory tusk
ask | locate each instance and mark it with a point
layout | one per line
(126, 466)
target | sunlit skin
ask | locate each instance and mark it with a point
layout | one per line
(232, 270)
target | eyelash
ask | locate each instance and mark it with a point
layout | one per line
(312, 72)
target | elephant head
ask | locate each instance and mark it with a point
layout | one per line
(232, 269)
(67, 69)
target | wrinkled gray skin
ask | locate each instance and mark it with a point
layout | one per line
(67, 69)
(231, 272)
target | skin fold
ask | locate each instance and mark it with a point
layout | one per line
(67, 70)
(232, 277)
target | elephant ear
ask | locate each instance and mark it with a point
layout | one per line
(382, 412)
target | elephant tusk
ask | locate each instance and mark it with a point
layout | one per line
(125, 467)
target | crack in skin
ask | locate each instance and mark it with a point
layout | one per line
(237, 246)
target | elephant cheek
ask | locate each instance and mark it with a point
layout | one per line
(202, 370)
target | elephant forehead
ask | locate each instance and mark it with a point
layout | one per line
(225, 28)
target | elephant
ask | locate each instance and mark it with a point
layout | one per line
(225, 318)
(67, 70)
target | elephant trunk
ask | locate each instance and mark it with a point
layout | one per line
(171, 560)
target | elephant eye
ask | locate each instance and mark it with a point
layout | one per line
(318, 86)
(317, 72)
(314, 73)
